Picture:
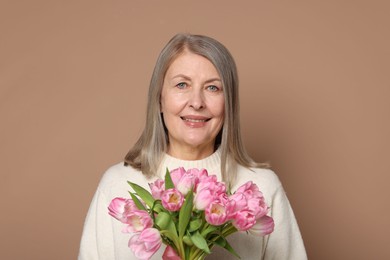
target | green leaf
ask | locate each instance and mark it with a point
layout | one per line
(222, 242)
(185, 213)
(187, 240)
(164, 221)
(171, 236)
(168, 180)
(137, 202)
(168, 229)
(195, 224)
(209, 230)
(143, 194)
(158, 207)
(200, 242)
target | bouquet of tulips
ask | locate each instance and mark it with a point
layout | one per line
(190, 212)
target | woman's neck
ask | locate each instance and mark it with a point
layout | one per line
(190, 153)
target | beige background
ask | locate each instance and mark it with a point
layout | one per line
(315, 92)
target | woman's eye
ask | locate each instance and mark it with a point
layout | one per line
(213, 88)
(181, 85)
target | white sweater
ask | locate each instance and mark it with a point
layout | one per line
(102, 237)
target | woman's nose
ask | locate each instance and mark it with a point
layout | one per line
(196, 100)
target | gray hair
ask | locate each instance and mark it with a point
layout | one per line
(147, 152)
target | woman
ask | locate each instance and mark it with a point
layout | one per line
(192, 122)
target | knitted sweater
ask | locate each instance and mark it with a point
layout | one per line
(103, 238)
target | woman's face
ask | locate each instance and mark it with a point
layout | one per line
(192, 103)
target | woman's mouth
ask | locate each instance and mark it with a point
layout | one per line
(195, 121)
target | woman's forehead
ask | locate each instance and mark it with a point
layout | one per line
(190, 65)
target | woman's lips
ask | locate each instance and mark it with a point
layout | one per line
(195, 121)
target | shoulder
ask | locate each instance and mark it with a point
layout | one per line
(266, 179)
(118, 172)
(261, 176)
(115, 178)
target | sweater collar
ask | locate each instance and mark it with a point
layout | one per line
(211, 163)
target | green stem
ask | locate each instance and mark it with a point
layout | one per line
(176, 241)
(182, 252)
(196, 253)
(228, 230)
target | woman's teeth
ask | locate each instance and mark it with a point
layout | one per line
(195, 120)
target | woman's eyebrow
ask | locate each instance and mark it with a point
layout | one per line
(213, 79)
(181, 76)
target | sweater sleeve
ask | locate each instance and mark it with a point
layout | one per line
(285, 243)
(97, 226)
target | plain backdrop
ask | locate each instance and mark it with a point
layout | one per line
(315, 103)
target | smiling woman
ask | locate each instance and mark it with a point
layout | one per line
(192, 122)
(175, 68)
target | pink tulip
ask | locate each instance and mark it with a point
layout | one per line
(119, 207)
(205, 182)
(130, 205)
(199, 173)
(170, 254)
(157, 188)
(176, 175)
(211, 183)
(185, 184)
(249, 189)
(172, 199)
(239, 201)
(219, 188)
(203, 198)
(244, 220)
(145, 244)
(264, 226)
(253, 198)
(216, 213)
(137, 221)
(258, 206)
